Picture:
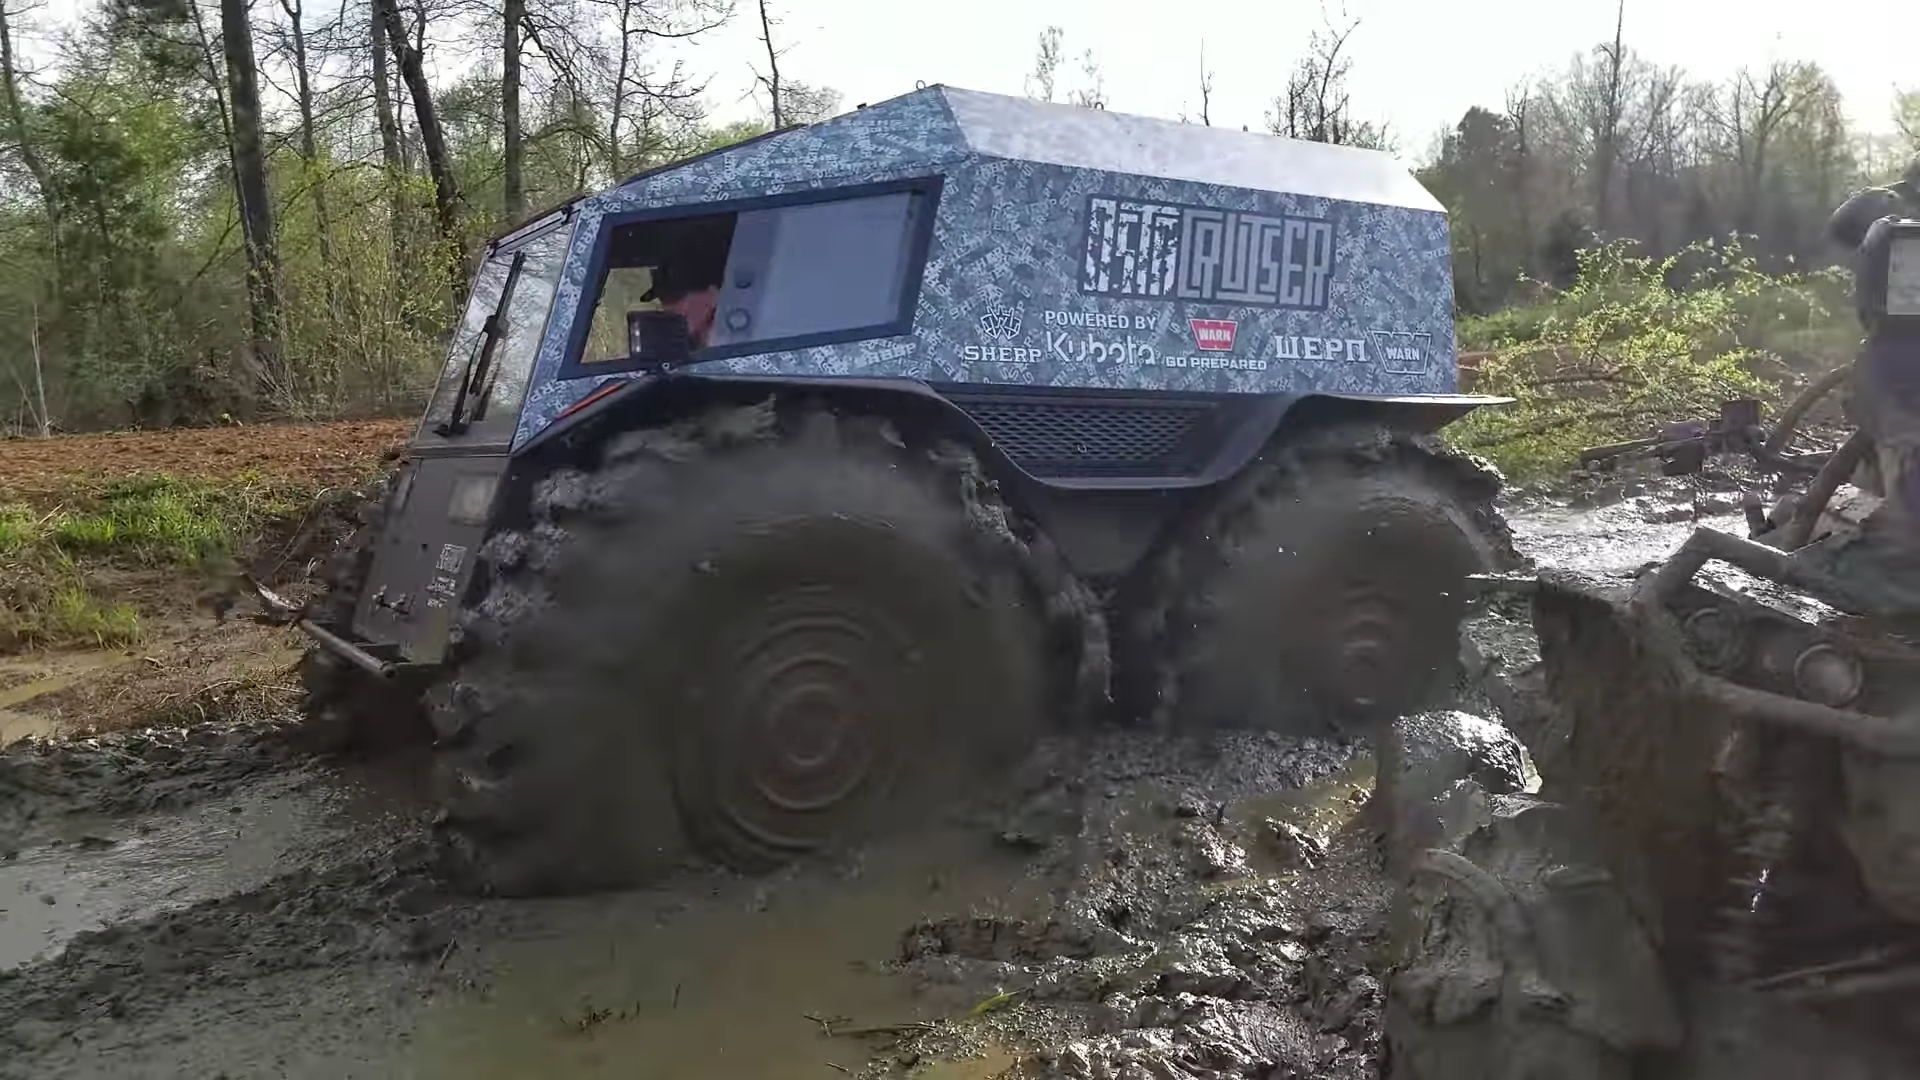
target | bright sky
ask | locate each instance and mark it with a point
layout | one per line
(1418, 64)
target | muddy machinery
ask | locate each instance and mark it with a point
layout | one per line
(1720, 873)
(794, 486)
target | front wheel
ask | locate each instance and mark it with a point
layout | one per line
(765, 644)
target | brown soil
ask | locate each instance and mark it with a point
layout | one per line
(188, 666)
(317, 455)
(194, 671)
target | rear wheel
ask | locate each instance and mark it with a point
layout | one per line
(763, 634)
(1323, 593)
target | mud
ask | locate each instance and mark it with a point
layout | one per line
(38, 678)
(45, 784)
(1130, 906)
(100, 871)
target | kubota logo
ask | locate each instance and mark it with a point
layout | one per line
(1213, 335)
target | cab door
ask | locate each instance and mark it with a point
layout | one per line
(439, 508)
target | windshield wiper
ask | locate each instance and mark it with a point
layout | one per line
(480, 360)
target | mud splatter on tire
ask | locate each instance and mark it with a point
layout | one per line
(700, 586)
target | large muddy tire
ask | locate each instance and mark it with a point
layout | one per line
(346, 710)
(764, 634)
(1322, 594)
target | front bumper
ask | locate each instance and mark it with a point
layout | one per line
(280, 611)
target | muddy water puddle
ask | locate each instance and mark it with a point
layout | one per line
(1320, 810)
(993, 1064)
(27, 677)
(735, 979)
(1613, 539)
(110, 870)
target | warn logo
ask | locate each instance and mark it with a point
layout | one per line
(1213, 335)
(1402, 352)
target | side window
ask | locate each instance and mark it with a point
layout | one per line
(763, 280)
(818, 268)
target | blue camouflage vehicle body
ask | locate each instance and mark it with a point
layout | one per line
(1076, 249)
(1109, 308)
(830, 468)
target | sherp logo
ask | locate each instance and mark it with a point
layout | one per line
(1213, 335)
(1000, 324)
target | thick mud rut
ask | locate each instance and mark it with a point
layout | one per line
(209, 901)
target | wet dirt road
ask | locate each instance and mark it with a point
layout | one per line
(215, 904)
(271, 930)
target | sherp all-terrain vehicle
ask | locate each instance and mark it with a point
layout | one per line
(801, 482)
(1720, 875)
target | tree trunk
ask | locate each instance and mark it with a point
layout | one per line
(773, 66)
(310, 145)
(1607, 143)
(515, 147)
(615, 159)
(446, 192)
(50, 203)
(392, 158)
(16, 118)
(211, 69)
(383, 98)
(45, 418)
(256, 211)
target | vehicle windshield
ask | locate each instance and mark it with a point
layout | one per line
(521, 298)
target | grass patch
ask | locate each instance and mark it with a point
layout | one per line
(76, 613)
(161, 521)
(49, 602)
(56, 553)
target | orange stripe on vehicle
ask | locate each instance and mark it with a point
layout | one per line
(603, 391)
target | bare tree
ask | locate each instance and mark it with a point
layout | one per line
(513, 147)
(1749, 118)
(644, 112)
(309, 136)
(1206, 88)
(1315, 105)
(1092, 94)
(1046, 64)
(1519, 113)
(384, 114)
(771, 80)
(446, 190)
(1604, 115)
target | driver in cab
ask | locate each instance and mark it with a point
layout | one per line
(691, 291)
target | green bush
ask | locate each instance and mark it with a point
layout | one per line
(1637, 342)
